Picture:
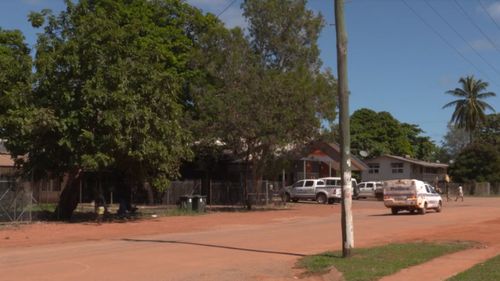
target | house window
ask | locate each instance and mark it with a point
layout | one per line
(397, 168)
(431, 170)
(373, 168)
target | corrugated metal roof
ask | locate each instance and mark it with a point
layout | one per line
(417, 162)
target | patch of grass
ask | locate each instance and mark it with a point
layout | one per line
(486, 271)
(48, 207)
(373, 263)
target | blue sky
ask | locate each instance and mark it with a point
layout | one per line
(396, 61)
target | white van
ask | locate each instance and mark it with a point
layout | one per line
(411, 195)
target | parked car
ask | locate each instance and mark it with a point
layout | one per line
(311, 189)
(336, 183)
(371, 189)
(411, 195)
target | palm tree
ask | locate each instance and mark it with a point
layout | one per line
(470, 107)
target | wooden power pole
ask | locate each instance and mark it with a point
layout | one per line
(345, 138)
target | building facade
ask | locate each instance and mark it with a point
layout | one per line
(388, 167)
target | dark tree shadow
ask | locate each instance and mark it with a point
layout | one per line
(212, 246)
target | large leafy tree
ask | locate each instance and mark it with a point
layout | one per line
(264, 92)
(107, 95)
(470, 107)
(477, 162)
(455, 140)
(15, 73)
(489, 131)
(380, 133)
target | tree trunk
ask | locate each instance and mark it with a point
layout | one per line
(245, 180)
(345, 141)
(150, 192)
(68, 201)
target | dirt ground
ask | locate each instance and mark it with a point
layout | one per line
(257, 245)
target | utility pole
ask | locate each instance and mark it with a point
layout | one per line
(345, 135)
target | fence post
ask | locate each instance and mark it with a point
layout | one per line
(210, 190)
(168, 196)
(31, 202)
(15, 204)
(81, 205)
(267, 193)
(283, 179)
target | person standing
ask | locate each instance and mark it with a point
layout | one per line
(460, 193)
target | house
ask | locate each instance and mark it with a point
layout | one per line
(322, 159)
(8, 171)
(388, 167)
(227, 176)
(46, 190)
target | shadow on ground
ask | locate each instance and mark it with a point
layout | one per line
(212, 246)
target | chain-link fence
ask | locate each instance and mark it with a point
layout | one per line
(221, 192)
(475, 189)
(177, 189)
(15, 201)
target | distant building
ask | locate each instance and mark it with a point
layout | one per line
(388, 167)
(322, 159)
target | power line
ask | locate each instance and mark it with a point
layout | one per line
(478, 28)
(444, 40)
(489, 14)
(226, 8)
(461, 37)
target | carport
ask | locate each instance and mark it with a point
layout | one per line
(322, 159)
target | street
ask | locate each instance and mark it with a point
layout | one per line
(260, 245)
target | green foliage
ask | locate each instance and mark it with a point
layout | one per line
(15, 73)
(485, 271)
(108, 89)
(454, 141)
(284, 33)
(469, 108)
(379, 133)
(374, 263)
(477, 162)
(263, 92)
(489, 131)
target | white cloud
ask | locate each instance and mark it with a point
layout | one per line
(446, 81)
(32, 2)
(494, 10)
(482, 45)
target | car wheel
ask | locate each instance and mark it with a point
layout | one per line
(394, 211)
(423, 210)
(321, 199)
(439, 207)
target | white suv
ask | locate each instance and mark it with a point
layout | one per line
(324, 190)
(371, 189)
(336, 183)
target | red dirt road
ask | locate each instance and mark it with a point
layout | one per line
(262, 245)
